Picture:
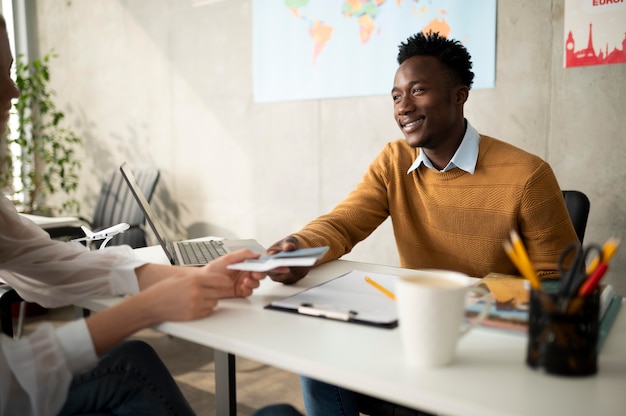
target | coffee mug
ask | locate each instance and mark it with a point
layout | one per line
(431, 314)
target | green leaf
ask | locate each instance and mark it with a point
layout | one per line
(47, 147)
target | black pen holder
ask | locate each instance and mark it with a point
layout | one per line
(563, 333)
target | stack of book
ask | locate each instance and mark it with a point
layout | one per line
(509, 312)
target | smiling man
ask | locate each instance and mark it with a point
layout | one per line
(453, 194)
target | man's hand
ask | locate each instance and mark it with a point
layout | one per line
(287, 275)
(244, 282)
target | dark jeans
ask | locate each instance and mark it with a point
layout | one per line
(281, 409)
(130, 379)
(323, 399)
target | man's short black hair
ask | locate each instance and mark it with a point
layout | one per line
(449, 51)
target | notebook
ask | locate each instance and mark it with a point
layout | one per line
(184, 253)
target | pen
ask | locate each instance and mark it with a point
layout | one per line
(326, 311)
(521, 260)
(379, 287)
(592, 282)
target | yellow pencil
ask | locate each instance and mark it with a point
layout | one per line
(524, 265)
(510, 251)
(379, 287)
(608, 250)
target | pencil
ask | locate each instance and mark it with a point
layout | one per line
(598, 267)
(510, 251)
(608, 250)
(524, 265)
(508, 248)
(379, 287)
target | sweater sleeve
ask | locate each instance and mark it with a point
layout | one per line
(545, 225)
(356, 217)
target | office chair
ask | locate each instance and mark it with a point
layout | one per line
(578, 206)
(116, 204)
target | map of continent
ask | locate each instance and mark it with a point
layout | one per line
(351, 44)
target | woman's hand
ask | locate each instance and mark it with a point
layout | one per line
(192, 293)
(186, 294)
(244, 282)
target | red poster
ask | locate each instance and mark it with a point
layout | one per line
(595, 32)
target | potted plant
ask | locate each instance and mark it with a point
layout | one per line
(47, 149)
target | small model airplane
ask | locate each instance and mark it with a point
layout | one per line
(107, 234)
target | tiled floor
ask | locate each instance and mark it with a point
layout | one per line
(193, 368)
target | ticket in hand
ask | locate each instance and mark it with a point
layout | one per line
(303, 257)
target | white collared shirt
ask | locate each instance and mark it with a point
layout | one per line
(464, 158)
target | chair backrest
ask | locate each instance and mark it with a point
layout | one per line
(116, 204)
(578, 206)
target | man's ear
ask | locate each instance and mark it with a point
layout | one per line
(461, 94)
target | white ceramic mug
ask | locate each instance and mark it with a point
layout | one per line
(431, 311)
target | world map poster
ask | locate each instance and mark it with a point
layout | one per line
(312, 49)
(595, 32)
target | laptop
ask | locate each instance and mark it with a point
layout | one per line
(184, 253)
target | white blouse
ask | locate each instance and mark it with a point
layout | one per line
(35, 372)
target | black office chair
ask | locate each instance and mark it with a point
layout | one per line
(578, 206)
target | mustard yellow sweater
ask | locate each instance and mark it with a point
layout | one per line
(453, 220)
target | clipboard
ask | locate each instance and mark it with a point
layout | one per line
(347, 298)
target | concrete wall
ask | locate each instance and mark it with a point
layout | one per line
(161, 82)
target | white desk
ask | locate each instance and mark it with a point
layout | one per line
(53, 222)
(58, 226)
(488, 377)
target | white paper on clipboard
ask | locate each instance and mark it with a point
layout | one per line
(347, 298)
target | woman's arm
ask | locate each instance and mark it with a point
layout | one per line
(243, 282)
(185, 296)
(36, 370)
(54, 273)
(170, 293)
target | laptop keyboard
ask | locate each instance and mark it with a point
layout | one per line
(199, 252)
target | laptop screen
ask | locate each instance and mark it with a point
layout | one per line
(149, 213)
